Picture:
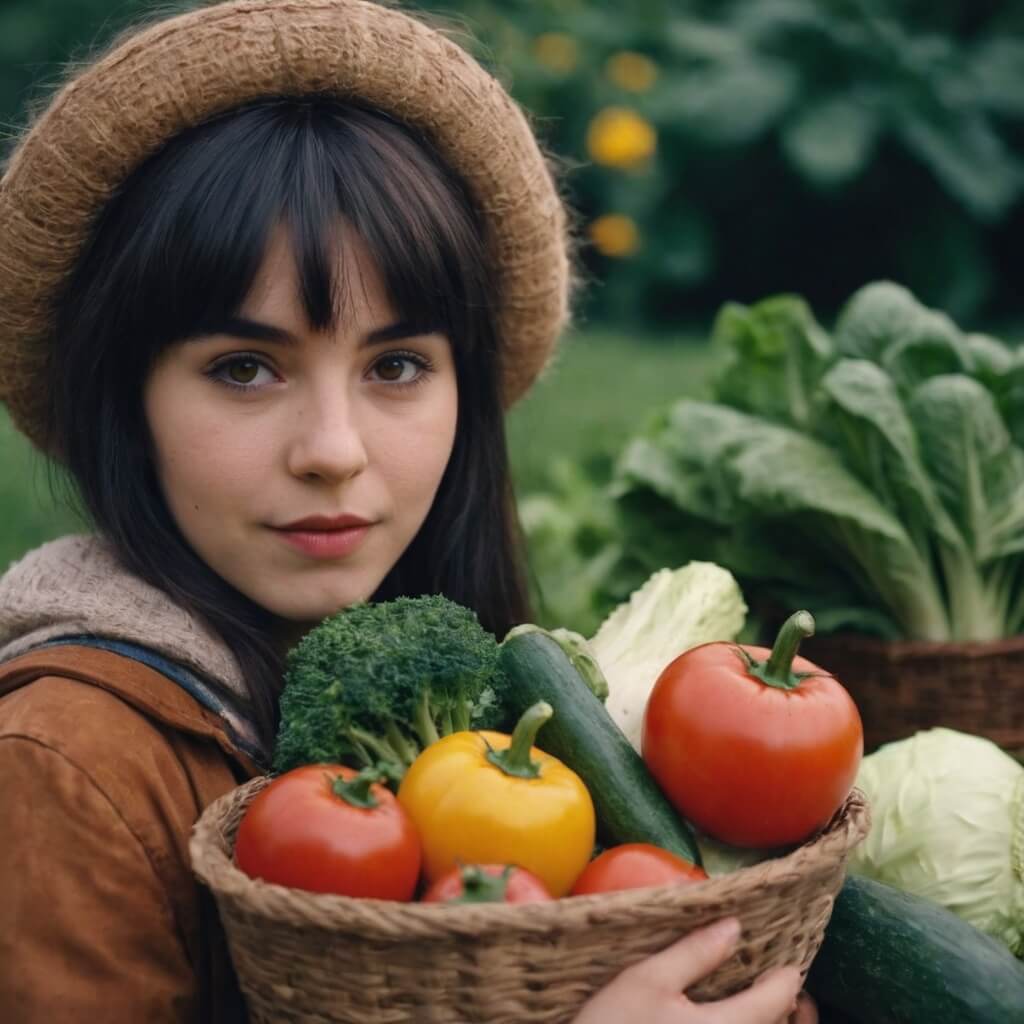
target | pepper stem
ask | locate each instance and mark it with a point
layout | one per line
(515, 760)
(778, 671)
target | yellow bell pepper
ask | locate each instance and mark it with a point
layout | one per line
(488, 798)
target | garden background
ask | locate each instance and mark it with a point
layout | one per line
(715, 151)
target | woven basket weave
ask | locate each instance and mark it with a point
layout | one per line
(305, 957)
(903, 687)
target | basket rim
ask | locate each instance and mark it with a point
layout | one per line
(901, 649)
(388, 919)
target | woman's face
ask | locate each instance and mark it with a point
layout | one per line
(252, 435)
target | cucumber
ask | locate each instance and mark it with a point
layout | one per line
(630, 806)
(892, 958)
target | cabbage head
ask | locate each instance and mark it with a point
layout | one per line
(947, 814)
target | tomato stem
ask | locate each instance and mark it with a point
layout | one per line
(356, 790)
(516, 759)
(479, 886)
(778, 671)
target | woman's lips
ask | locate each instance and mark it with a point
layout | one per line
(326, 543)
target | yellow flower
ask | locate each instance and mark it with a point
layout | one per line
(556, 51)
(615, 234)
(632, 71)
(619, 137)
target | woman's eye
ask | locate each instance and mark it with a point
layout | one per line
(400, 369)
(241, 372)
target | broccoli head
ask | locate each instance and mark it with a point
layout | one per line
(379, 682)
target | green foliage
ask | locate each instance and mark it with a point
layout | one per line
(871, 477)
(797, 142)
(378, 683)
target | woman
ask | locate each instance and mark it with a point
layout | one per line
(270, 275)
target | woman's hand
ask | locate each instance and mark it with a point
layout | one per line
(650, 991)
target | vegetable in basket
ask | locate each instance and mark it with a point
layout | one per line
(755, 747)
(379, 682)
(635, 866)
(487, 883)
(328, 828)
(948, 825)
(630, 806)
(485, 797)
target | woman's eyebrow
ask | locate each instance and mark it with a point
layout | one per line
(255, 330)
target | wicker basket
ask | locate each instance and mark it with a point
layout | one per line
(305, 957)
(902, 687)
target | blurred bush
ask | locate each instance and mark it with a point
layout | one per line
(728, 149)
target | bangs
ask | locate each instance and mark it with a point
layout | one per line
(196, 219)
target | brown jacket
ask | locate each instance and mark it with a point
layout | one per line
(105, 766)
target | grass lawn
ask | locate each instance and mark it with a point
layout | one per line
(600, 389)
(601, 386)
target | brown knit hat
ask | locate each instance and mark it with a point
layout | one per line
(153, 84)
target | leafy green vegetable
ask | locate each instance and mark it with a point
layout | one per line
(775, 354)
(672, 612)
(378, 682)
(874, 477)
(947, 815)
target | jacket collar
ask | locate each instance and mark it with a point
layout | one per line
(145, 689)
(76, 586)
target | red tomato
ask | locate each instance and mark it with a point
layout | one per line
(635, 866)
(487, 883)
(303, 833)
(753, 762)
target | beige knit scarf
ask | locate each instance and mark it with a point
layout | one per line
(76, 585)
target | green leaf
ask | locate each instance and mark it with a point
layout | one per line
(977, 469)
(997, 65)
(727, 467)
(992, 361)
(831, 141)
(969, 159)
(724, 104)
(774, 355)
(879, 442)
(939, 349)
(883, 322)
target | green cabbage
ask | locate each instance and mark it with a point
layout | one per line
(947, 815)
(672, 612)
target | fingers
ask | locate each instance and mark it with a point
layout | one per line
(806, 1011)
(769, 1000)
(684, 962)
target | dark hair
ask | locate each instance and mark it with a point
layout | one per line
(179, 245)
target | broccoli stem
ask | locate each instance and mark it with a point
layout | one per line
(460, 719)
(380, 749)
(423, 721)
(407, 751)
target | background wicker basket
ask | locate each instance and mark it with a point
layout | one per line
(902, 687)
(305, 957)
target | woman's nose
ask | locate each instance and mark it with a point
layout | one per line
(327, 440)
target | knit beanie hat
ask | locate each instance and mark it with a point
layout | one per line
(180, 71)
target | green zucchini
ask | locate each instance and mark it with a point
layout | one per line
(630, 806)
(892, 958)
